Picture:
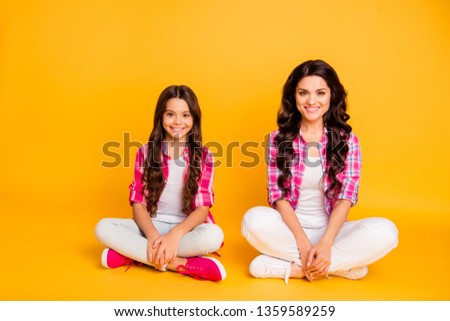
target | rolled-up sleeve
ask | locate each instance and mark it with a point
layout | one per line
(351, 175)
(205, 193)
(274, 193)
(135, 187)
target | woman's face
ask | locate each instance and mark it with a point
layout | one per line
(312, 96)
(177, 120)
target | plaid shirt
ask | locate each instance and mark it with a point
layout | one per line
(205, 193)
(349, 177)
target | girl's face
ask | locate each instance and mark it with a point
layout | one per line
(177, 120)
(312, 96)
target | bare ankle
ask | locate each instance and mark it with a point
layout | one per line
(176, 263)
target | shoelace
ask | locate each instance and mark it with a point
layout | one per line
(130, 263)
(216, 253)
(278, 270)
(191, 271)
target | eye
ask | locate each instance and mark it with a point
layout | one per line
(302, 93)
(186, 115)
(321, 93)
(169, 114)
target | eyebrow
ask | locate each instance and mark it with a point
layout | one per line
(172, 111)
(316, 90)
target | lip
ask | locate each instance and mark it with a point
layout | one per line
(312, 109)
(177, 129)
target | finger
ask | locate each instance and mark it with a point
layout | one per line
(314, 267)
(157, 242)
(165, 261)
(325, 268)
(304, 259)
(311, 257)
(159, 254)
(308, 275)
(154, 253)
(323, 272)
(160, 261)
(154, 261)
(170, 257)
(174, 253)
(318, 264)
(166, 257)
(151, 256)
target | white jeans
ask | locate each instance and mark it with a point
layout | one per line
(125, 237)
(359, 243)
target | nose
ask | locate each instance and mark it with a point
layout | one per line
(177, 119)
(311, 99)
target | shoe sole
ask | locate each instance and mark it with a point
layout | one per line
(105, 258)
(353, 274)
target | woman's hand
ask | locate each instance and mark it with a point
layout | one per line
(166, 248)
(319, 260)
(304, 250)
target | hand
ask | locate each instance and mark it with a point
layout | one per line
(167, 249)
(304, 250)
(319, 260)
(151, 249)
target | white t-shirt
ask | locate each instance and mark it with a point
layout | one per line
(170, 202)
(311, 210)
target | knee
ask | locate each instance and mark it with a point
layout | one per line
(102, 229)
(385, 232)
(213, 236)
(391, 232)
(254, 220)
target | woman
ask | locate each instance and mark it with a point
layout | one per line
(314, 168)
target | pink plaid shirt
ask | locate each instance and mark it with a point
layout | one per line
(349, 177)
(205, 193)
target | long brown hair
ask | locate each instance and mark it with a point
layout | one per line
(335, 120)
(153, 176)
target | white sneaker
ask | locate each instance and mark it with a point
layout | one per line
(352, 274)
(264, 266)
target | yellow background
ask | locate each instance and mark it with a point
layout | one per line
(75, 75)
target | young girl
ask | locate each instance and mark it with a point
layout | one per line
(314, 168)
(172, 191)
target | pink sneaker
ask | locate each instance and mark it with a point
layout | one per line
(111, 259)
(203, 268)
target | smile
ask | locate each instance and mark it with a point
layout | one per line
(312, 109)
(177, 129)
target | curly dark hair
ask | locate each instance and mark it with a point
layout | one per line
(335, 120)
(153, 176)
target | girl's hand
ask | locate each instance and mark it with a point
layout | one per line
(151, 249)
(166, 249)
(319, 260)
